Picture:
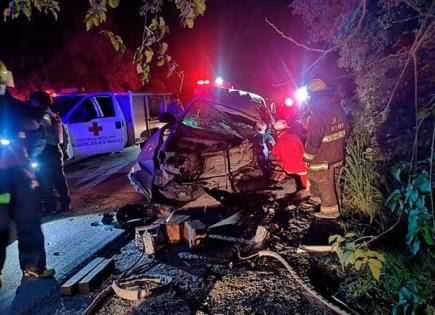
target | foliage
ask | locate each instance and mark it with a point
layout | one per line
(383, 45)
(16, 7)
(387, 48)
(361, 177)
(409, 301)
(115, 40)
(152, 49)
(351, 254)
(398, 272)
(412, 199)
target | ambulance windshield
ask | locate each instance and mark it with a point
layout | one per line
(62, 104)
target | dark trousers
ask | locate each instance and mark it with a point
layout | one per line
(52, 177)
(24, 209)
(325, 184)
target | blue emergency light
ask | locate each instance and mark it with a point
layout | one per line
(4, 141)
(219, 81)
(302, 94)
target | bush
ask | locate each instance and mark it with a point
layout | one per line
(360, 176)
(398, 271)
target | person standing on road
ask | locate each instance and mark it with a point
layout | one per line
(50, 170)
(327, 131)
(18, 196)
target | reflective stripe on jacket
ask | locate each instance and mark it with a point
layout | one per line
(326, 133)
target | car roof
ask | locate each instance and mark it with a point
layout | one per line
(245, 102)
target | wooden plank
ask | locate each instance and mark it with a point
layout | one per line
(195, 233)
(314, 249)
(70, 287)
(175, 228)
(94, 278)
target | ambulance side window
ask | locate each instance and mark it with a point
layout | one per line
(84, 113)
(154, 103)
(106, 106)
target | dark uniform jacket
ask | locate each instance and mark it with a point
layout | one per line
(326, 132)
(16, 119)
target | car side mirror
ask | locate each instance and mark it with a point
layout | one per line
(167, 117)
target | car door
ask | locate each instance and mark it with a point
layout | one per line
(80, 120)
(112, 123)
(93, 128)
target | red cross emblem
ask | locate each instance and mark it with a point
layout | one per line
(95, 129)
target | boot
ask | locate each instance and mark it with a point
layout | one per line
(329, 213)
(46, 273)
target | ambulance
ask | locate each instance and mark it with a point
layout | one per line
(105, 122)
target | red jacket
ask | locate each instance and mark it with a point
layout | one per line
(288, 152)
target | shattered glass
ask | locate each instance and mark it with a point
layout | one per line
(218, 119)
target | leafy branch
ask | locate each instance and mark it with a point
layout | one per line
(152, 48)
(17, 7)
(409, 301)
(115, 40)
(356, 255)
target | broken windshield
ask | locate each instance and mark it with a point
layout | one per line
(218, 119)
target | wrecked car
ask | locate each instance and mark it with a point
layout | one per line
(220, 141)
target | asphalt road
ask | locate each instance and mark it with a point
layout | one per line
(97, 185)
(69, 243)
(86, 174)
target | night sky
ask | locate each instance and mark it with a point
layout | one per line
(231, 40)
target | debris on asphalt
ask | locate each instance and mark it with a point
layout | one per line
(175, 228)
(200, 249)
(107, 218)
(131, 216)
(71, 286)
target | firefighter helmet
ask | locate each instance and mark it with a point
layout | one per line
(316, 85)
(280, 125)
(6, 77)
(4, 74)
(41, 99)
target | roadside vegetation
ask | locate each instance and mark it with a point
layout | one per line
(386, 49)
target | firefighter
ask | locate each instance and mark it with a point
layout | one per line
(18, 196)
(327, 130)
(50, 170)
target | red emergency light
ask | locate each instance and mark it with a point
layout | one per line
(203, 82)
(51, 92)
(289, 102)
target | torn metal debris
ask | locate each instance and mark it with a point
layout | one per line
(221, 140)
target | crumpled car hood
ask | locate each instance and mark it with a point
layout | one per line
(217, 142)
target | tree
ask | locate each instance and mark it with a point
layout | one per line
(386, 46)
(387, 49)
(152, 48)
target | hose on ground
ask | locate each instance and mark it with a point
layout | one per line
(126, 279)
(268, 253)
